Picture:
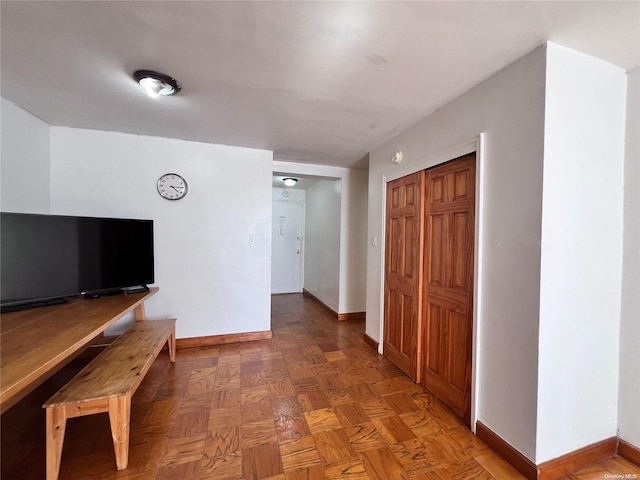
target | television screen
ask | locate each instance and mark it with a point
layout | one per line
(53, 256)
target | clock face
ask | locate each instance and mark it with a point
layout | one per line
(172, 186)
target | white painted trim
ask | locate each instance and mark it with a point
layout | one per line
(477, 279)
(475, 144)
(302, 243)
(383, 246)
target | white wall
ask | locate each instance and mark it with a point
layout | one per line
(288, 195)
(210, 278)
(353, 229)
(353, 243)
(322, 241)
(509, 108)
(581, 252)
(24, 168)
(629, 398)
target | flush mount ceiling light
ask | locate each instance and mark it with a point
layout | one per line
(290, 182)
(156, 84)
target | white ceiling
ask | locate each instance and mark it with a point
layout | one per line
(316, 82)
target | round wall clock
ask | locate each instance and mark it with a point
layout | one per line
(172, 186)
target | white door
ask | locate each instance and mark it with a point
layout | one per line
(286, 247)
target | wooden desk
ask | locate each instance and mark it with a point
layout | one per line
(36, 343)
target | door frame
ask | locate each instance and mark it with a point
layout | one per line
(476, 144)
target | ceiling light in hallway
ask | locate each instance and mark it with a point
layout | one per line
(156, 84)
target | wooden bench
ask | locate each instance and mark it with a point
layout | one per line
(107, 385)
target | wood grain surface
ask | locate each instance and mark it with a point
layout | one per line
(187, 420)
(35, 343)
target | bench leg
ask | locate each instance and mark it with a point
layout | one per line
(172, 345)
(139, 313)
(119, 417)
(56, 426)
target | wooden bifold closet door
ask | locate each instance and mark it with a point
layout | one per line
(437, 338)
(403, 273)
(448, 283)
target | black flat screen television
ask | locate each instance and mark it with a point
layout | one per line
(46, 258)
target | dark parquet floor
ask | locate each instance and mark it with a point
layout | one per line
(315, 402)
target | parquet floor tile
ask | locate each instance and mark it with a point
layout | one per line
(286, 406)
(260, 462)
(256, 411)
(313, 399)
(254, 394)
(333, 446)
(224, 417)
(352, 469)
(338, 396)
(350, 414)
(363, 392)
(258, 433)
(201, 381)
(335, 356)
(393, 429)
(365, 437)
(314, 402)
(183, 449)
(414, 456)
(291, 427)
(401, 402)
(222, 441)
(496, 466)
(191, 423)
(315, 472)
(378, 408)
(281, 388)
(224, 467)
(183, 470)
(321, 420)
(301, 453)
(381, 464)
(225, 398)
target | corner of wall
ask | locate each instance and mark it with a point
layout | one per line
(629, 385)
(25, 161)
(581, 219)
